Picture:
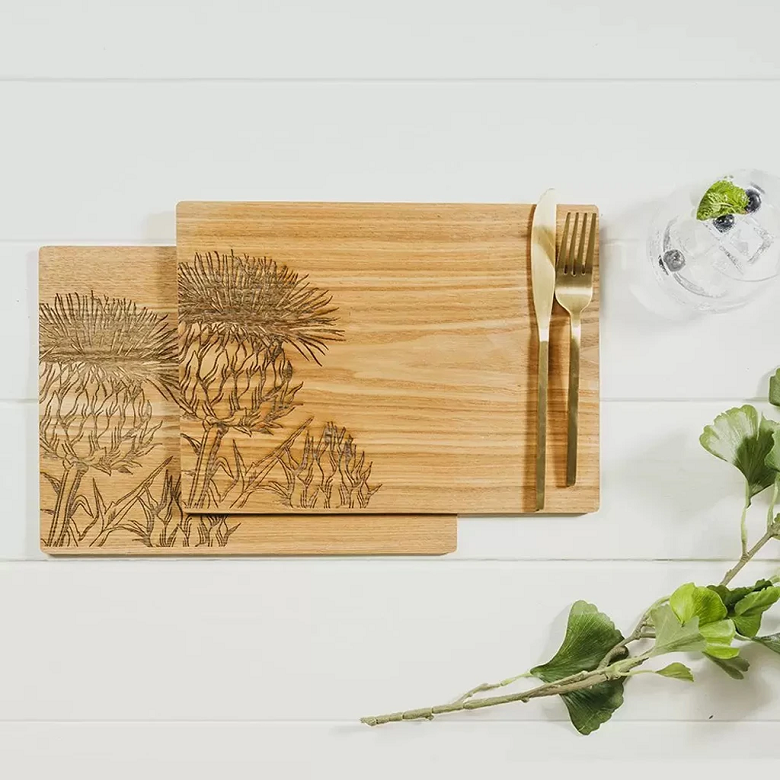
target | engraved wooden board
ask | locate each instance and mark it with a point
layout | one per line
(370, 358)
(109, 428)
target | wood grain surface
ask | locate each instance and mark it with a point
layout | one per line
(279, 535)
(109, 436)
(398, 348)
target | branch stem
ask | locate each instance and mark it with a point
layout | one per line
(637, 634)
(770, 512)
(743, 520)
(574, 682)
(491, 687)
(748, 555)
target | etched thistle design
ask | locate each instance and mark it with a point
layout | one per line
(160, 523)
(98, 357)
(329, 473)
(213, 531)
(94, 425)
(253, 300)
(236, 388)
(237, 317)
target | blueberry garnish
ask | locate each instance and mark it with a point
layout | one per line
(724, 223)
(754, 201)
(673, 259)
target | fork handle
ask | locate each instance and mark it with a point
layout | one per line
(574, 399)
(541, 421)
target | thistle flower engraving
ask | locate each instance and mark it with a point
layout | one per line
(253, 300)
(238, 316)
(98, 358)
(109, 339)
(236, 388)
(329, 472)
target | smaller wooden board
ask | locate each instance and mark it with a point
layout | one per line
(109, 428)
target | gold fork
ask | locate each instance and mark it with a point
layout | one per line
(574, 292)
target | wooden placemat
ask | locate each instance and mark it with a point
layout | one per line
(370, 358)
(109, 428)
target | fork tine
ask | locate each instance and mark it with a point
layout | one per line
(571, 256)
(572, 259)
(591, 245)
(562, 252)
(580, 262)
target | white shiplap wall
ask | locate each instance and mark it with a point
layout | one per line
(113, 112)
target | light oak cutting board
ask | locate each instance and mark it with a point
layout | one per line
(109, 428)
(370, 358)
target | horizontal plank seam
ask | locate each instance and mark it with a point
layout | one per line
(36, 242)
(347, 81)
(684, 399)
(449, 560)
(739, 400)
(452, 719)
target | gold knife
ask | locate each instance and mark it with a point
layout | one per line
(543, 285)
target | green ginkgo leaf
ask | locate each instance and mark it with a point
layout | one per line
(734, 667)
(749, 610)
(703, 608)
(676, 671)
(744, 438)
(772, 459)
(690, 601)
(730, 596)
(719, 636)
(774, 388)
(770, 641)
(590, 635)
(591, 707)
(671, 636)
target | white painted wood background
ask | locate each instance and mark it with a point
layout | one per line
(112, 112)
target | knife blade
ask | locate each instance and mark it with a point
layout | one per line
(543, 288)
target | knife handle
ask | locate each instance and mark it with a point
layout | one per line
(541, 421)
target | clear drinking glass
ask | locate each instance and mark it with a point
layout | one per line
(716, 265)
